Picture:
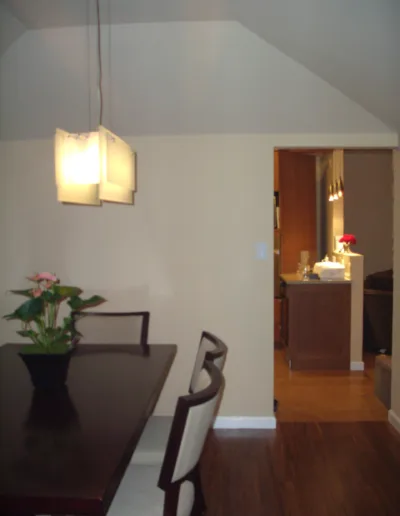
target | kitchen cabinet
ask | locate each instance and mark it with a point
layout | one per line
(315, 323)
(297, 207)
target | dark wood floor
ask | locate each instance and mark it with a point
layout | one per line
(331, 396)
(304, 469)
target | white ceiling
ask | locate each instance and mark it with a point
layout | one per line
(10, 28)
(39, 14)
(352, 44)
(214, 77)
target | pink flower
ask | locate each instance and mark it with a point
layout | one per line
(44, 276)
(36, 292)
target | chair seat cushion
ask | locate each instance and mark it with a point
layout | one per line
(138, 493)
(151, 448)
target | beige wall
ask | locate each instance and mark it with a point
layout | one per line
(396, 293)
(368, 206)
(185, 251)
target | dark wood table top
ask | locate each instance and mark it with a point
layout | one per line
(66, 453)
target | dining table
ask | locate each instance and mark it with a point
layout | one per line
(66, 451)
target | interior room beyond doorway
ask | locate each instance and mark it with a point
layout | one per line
(326, 342)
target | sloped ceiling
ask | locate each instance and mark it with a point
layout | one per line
(353, 45)
(208, 77)
(10, 28)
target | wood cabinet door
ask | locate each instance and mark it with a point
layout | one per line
(284, 322)
(298, 208)
(318, 320)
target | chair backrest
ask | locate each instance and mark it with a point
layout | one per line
(112, 327)
(212, 349)
(179, 476)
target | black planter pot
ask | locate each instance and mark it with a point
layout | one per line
(47, 371)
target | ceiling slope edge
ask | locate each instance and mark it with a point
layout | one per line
(358, 71)
(392, 127)
(10, 29)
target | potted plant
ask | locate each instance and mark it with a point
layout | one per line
(47, 357)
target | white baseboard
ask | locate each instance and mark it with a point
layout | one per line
(238, 422)
(394, 420)
(356, 366)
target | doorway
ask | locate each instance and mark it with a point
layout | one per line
(306, 220)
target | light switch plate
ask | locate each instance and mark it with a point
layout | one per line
(261, 251)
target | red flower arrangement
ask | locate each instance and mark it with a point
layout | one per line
(348, 239)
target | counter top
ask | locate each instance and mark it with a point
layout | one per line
(296, 279)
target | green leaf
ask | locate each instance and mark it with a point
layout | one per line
(67, 322)
(60, 348)
(27, 333)
(28, 310)
(62, 339)
(35, 349)
(26, 293)
(76, 303)
(65, 291)
(50, 297)
(51, 333)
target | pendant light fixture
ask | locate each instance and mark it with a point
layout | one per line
(96, 166)
(330, 198)
(335, 191)
(341, 188)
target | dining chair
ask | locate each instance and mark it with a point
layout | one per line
(151, 447)
(178, 479)
(112, 327)
(210, 348)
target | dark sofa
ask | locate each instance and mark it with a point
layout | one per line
(378, 312)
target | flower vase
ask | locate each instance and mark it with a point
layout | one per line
(346, 248)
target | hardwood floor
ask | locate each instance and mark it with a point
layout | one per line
(327, 396)
(303, 469)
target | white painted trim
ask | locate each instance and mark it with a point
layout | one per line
(357, 366)
(237, 422)
(340, 141)
(394, 420)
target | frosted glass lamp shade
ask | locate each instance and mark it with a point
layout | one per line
(117, 163)
(77, 163)
(94, 167)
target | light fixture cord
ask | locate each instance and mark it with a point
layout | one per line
(89, 63)
(109, 118)
(99, 61)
